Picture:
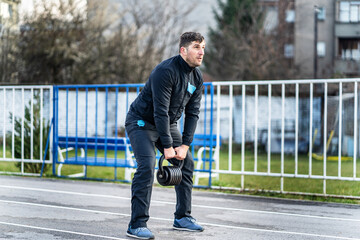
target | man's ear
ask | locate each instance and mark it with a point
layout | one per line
(183, 50)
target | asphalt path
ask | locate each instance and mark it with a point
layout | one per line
(46, 209)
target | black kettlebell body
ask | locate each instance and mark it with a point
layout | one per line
(169, 175)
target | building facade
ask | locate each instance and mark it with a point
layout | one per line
(338, 38)
(347, 37)
(321, 38)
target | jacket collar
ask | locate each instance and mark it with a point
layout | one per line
(184, 66)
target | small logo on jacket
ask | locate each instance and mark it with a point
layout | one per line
(140, 123)
(191, 88)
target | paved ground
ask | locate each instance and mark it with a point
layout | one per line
(33, 208)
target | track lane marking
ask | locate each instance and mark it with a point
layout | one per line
(64, 208)
(162, 219)
(61, 231)
(172, 203)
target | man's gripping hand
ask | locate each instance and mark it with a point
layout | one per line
(181, 152)
(169, 153)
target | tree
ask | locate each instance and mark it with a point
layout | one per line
(50, 43)
(8, 55)
(106, 43)
(240, 48)
(146, 33)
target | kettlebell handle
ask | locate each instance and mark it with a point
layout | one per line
(161, 162)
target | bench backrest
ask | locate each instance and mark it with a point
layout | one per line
(204, 140)
(120, 144)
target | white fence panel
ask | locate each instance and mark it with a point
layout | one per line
(289, 120)
(26, 111)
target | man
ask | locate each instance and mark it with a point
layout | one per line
(174, 86)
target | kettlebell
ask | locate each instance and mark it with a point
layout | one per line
(169, 175)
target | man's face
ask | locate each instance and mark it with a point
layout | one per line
(194, 53)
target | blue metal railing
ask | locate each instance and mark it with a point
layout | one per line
(82, 112)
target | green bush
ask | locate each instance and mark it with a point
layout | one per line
(29, 167)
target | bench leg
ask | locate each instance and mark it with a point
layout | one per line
(198, 166)
(76, 175)
(128, 174)
(81, 174)
(198, 175)
(59, 169)
(60, 152)
(130, 160)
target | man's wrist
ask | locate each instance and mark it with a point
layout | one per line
(185, 145)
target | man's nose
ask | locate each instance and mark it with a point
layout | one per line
(202, 52)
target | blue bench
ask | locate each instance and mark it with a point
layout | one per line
(204, 140)
(201, 142)
(205, 143)
(117, 145)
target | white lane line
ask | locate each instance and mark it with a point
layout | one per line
(283, 232)
(61, 231)
(64, 192)
(193, 205)
(156, 218)
(64, 208)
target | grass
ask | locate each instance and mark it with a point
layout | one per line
(305, 185)
(257, 183)
(92, 171)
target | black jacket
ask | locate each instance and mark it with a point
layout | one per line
(173, 86)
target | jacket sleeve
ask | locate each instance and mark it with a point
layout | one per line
(192, 111)
(161, 88)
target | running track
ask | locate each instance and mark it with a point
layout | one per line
(46, 209)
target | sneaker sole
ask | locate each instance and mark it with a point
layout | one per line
(134, 236)
(187, 229)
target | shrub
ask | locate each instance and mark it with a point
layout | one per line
(29, 167)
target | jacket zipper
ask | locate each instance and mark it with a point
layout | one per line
(181, 103)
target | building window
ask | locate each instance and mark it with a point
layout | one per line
(321, 49)
(349, 11)
(290, 16)
(344, 12)
(271, 19)
(289, 50)
(321, 14)
(349, 49)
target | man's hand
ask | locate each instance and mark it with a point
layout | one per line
(181, 152)
(169, 153)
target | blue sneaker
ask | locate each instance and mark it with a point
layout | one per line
(187, 224)
(140, 233)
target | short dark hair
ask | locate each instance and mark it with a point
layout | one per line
(188, 37)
